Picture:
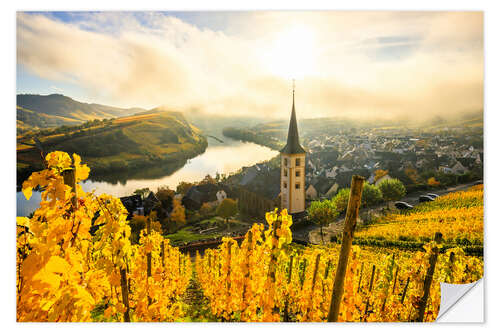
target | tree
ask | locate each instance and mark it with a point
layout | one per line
(433, 182)
(371, 195)
(143, 192)
(184, 187)
(165, 196)
(178, 214)
(412, 174)
(205, 209)
(208, 180)
(341, 199)
(227, 208)
(322, 213)
(392, 189)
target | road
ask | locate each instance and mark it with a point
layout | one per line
(311, 233)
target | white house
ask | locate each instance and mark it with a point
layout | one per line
(221, 195)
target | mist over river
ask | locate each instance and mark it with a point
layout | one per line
(224, 158)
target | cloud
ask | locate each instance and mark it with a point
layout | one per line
(381, 64)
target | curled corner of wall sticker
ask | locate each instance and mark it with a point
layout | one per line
(462, 303)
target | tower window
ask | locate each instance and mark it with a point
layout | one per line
(285, 161)
(285, 172)
(297, 185)
(297, 162)
(297, 173)
(284, 184)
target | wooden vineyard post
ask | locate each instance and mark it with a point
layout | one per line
(327, 269)
(228, 278)
(302, 274)
(371, 279)
(247, 268)
(123, 281)
(163, 254)
(429, 275)
(404, 290)
(347, 236)
(289, 279)
(395, 279)
(360, 276)
(148, 255)
(315, 274)
(452, 262)
(70, 180)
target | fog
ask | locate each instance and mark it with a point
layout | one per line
(411, 65)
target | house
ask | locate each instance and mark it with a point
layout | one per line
(221, 195)
(459, 169)
(150, 203)
(200, 194)
(445, 169)
(133, 204)
(332, 173)
(311, 192)
(333, 190)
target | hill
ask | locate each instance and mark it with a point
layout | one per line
(118, 145)
(42, 111)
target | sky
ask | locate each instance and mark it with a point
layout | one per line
(357, 64)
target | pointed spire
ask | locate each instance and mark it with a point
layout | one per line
(293, 145)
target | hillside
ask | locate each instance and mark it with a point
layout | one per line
(31, 120)
(122, 144)
(42, 111)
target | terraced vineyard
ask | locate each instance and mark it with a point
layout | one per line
(75, 262)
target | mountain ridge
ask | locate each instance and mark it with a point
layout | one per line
(68, 110)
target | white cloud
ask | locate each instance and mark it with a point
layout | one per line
(354, 63)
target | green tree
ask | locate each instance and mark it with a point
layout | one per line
(165, 196)
(227, 208)
(183, 187)
(143, 192)
(341, 199)
(392, 190)
(322, 213)
(371, 195)
(205, 209)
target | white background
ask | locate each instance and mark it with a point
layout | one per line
(491, 127)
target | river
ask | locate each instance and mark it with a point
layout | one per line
(223, 158)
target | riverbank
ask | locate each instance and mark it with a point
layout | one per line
(247, 135)
(225, 158)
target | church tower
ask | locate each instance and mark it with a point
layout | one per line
(293, 169)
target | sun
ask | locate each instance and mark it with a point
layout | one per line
(292, 52)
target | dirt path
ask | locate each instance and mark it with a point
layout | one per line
(198, 305)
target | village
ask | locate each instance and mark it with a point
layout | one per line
(429, 159)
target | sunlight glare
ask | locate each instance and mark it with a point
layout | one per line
(292, 53)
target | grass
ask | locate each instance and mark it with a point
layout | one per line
(185, 235)
(124, 144)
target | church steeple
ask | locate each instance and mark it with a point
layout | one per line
(293, 145)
